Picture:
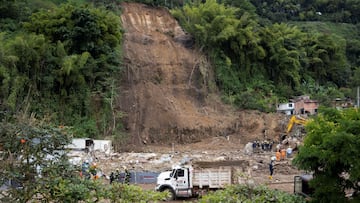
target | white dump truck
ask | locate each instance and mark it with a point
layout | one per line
(198, 178)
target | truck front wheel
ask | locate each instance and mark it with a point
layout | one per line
(171, 194)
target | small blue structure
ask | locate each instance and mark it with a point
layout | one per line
(139, 177)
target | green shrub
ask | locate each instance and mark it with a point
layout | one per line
(245, 194)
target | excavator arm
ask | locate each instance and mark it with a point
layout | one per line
(295, 120)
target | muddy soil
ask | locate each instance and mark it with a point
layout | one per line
(168, 93)
(173, 111)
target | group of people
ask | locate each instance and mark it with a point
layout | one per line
(265, 145)
(280, 155)
(89, 171)
(118, 177)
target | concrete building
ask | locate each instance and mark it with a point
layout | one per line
(339, 103)
(286, 108)
(305, 105)
(300, 105)
(88, 145)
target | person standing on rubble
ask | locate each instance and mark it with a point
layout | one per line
(93, 171)
(266, 145)
(278, 155)
(271, 167)
(127, 176)
(254, 146)
(289, 152)
(115, 176)
(283, 154)
(271, 143)
(112, 177)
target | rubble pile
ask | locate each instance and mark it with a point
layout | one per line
(161, 161)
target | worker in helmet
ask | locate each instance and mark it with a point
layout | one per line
(114, 176)
(93, 170)
(271, 167)
(117, 174)
(127, 176)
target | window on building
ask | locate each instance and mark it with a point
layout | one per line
(290, 105)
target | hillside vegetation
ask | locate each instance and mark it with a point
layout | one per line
(62, 61)
(133, 73)
(270, 61)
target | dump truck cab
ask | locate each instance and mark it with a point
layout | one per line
(199, 177)
(177, 182)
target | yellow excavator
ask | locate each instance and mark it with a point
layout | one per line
(293, 120)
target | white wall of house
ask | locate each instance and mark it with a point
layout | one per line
(77, 144)
(287, 108)
(103, 146)
(100, 145)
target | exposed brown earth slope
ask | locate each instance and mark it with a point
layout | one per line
(165, 90)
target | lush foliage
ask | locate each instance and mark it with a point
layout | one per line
(269, 62)
(331, 152)
(320, 10)
(165, 3)
(131, 193)
(62, 61)
(33, 157)
(63, 66)
(246, 194)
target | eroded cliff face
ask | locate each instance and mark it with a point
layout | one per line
(165, 86)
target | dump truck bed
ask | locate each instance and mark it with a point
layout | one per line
(217, 174)
(212, 177)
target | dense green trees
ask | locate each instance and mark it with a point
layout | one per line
(280, 57)
(61, 61)
(308, 10)
(285, 53)
(331, 152)
(64, 58)
(21, 67)
(233, 44)
(326, 59)
(12, 12)
(74, 51)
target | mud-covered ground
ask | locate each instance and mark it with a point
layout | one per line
(161, 158)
